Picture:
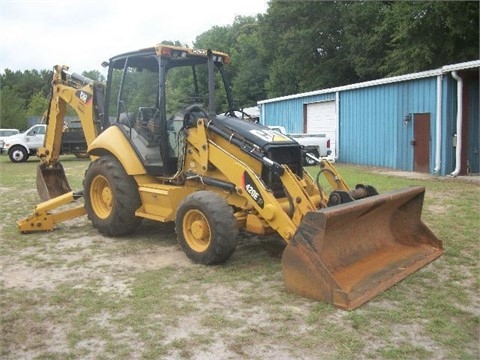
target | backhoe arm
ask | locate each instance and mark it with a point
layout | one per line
(85, 96)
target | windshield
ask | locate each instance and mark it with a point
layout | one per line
(134, 88)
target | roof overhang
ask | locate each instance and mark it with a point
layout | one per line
(389, 80)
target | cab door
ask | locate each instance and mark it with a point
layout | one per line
(35, 137)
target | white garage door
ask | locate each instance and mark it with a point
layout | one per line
(322, 118)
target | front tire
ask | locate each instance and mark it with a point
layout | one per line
(111, 197)
(18, 154)
(206, 228)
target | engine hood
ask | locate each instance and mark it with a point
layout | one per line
(258, 134)
(13, 139)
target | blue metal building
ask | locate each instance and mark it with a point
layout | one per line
(424, 122)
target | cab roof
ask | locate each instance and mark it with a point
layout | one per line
(143, 58)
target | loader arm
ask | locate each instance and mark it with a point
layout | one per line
(87, 98)
(302, 196)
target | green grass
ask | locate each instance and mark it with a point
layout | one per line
(72, 293)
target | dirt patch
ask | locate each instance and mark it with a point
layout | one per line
(73, 259)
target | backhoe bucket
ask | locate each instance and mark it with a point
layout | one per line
(347, 254)
(51, 181)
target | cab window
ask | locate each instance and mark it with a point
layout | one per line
(38, 130)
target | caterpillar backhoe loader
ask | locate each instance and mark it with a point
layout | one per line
(169, 156)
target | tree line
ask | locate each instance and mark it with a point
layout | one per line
(300, 46)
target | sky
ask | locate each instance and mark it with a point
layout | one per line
(38, 34)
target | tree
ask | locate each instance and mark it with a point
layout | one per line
(94, 75)
(430, 34)
(306, 45)
(366, 37)
(314, 45)
(247, 72)
(37, 105)
(251, 65)
(12, 111)
(27, 83)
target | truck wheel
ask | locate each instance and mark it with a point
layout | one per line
(18, 154)
(111, 197)
(206, 228)
(308, 161)
(81, 155)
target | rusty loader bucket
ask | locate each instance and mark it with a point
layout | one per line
(51, 181)
(347, 254)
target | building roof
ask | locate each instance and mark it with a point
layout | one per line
(389, 80)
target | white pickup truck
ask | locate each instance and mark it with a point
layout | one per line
(19, 147)
(316, 144)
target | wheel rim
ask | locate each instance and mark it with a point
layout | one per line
(101, 197)
(17, 155)
(196, 230)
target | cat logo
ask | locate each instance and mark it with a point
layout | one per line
(83, 96)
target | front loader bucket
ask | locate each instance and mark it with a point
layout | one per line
(51, 181)
(347, 254)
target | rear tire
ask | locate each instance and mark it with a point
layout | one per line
(308, 161)
(81, 155)
(206, 228)
(111, 197)
(18, 154)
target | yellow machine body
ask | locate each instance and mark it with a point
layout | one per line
(219, 174)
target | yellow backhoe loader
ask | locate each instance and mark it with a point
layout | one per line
(160, 151)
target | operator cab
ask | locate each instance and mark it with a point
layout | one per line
(155, 93)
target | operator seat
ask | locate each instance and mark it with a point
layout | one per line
(145, 125)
